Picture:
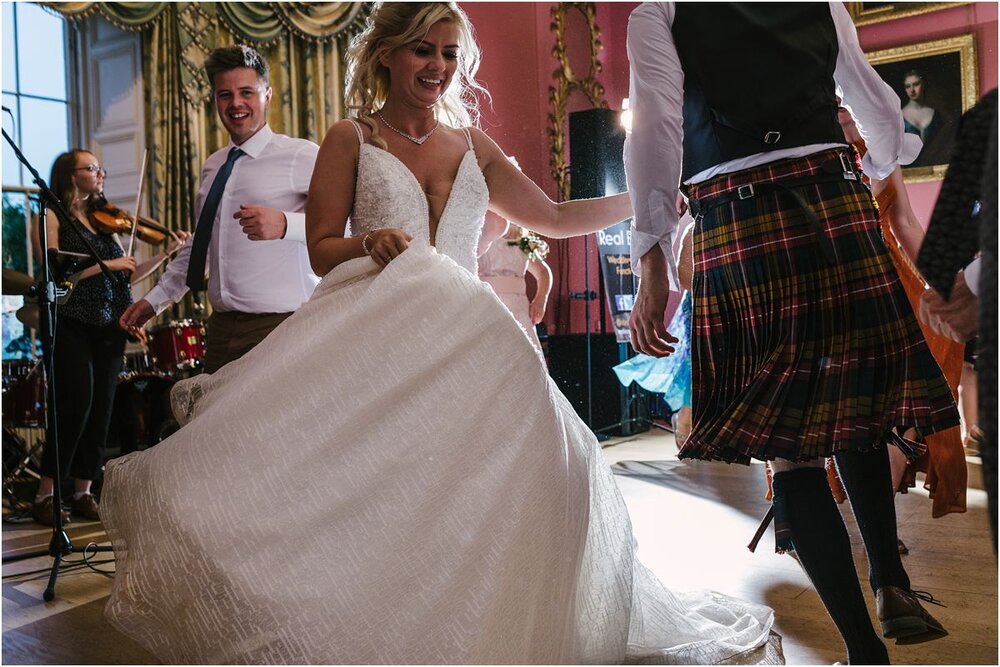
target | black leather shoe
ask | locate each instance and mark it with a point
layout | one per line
(904, 619)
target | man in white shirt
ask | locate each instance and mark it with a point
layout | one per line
(803, 342)
(250, 233)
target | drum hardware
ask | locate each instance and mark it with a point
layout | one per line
(30, 314)
(24, 394)
(21, 470)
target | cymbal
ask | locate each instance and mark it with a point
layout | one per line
(29, 315)
(15, 282)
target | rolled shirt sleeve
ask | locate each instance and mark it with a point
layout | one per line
(301, 176)
(872, 102)
(653, 148)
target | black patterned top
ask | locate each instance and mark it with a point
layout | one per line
(96, 300)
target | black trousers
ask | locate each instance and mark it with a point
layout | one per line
(88, 359)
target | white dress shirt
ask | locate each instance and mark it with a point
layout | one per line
(244, 275)
(654, 148)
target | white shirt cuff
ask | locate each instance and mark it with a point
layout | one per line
(972, 276)
(158, 299)
(295, 226)
(643, 243)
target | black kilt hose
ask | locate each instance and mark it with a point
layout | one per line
(803, 341)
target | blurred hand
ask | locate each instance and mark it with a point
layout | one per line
(681, 204)
(177, 239)
(536, 310)
(126, 264)
(136, 315)
(649, 333)
(956, 319)
(262, 224)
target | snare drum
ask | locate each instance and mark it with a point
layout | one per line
(23, 394)
(177, 345)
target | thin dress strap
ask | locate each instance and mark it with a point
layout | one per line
(468, 138)
(357, 128)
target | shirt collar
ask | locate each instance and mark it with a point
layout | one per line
(255, 145)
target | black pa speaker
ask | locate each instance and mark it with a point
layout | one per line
(614, 410)
(596, 140)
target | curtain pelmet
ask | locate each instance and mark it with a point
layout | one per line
(304, 44)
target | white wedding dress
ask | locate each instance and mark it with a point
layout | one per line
(392, 477)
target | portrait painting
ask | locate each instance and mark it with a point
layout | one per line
(936, 83)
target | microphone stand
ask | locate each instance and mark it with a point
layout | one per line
(45, 292)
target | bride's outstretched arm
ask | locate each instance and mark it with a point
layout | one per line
(516, 197)
(331, 198)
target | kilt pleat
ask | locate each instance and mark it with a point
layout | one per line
(795, 356)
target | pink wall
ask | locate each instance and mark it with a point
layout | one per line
(977, 18)
(517, 69)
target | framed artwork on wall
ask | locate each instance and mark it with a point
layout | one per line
(936, 82)
(865, 13)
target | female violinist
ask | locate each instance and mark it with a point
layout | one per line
(88, 343)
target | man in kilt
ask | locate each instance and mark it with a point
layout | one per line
(804, 345)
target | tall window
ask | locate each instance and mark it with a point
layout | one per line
(34, 89)
(36, 92)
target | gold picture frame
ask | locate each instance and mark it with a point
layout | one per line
(940, 75)
(866, 13)
(568, 82)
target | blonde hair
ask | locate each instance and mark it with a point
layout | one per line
(393, 25)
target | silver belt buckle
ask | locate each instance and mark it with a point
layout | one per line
(745, 191)
(849, 174)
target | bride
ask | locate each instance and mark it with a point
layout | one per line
(354, 489)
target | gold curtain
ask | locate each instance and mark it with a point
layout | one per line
(304, 44)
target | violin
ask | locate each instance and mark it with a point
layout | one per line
(113, 220)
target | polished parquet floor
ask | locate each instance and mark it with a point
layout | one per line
(692, 521)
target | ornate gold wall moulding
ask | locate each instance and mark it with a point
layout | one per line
(866, 13)
(568, 82)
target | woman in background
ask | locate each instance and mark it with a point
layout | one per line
(88, 342)
(504, 259)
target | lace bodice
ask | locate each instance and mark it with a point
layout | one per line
(388, 195)
(503, 259)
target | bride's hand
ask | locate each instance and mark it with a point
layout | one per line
(386, 244)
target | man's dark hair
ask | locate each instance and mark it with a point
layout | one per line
(227, 58)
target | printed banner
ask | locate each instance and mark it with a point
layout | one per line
(613, 247)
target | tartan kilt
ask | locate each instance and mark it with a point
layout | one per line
(795, 356)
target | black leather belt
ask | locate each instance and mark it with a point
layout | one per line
(833, 171)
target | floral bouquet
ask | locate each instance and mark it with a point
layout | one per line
(532, 246)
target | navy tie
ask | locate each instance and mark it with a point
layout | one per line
(203, 233)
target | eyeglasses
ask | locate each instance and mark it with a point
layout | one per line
(94, 169)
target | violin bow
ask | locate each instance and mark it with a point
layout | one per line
(138, 201)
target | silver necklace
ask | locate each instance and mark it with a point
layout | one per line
(417, 140)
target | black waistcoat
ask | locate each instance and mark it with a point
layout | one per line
(757, 77)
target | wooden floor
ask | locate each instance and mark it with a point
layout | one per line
(692, 520)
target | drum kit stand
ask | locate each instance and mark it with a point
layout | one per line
(29, 387)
